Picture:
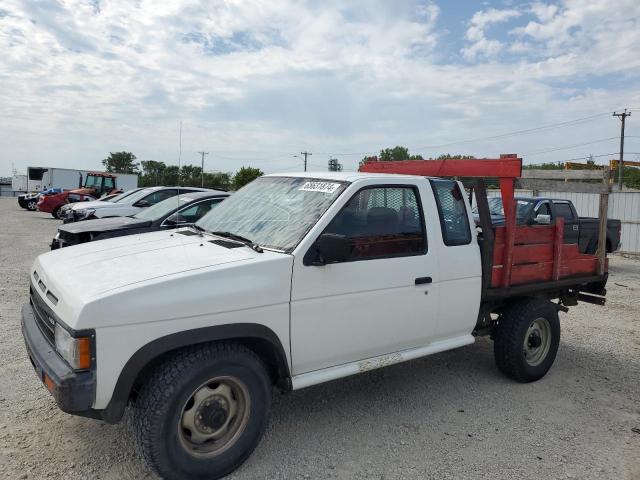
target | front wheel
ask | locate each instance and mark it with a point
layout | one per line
(526, 339)
(32, 205)
(203, 411)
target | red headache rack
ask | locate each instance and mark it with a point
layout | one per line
(514, 257)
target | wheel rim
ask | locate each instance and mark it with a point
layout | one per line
(537, 341)
(31, 205)
(214, 416)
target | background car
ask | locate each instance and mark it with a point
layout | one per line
(66, 211)
(30, 200)
(177, 211)
(130, 205)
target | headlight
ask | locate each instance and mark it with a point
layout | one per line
(84, 213)
(76, 351)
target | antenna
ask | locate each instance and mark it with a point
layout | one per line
(179, 168)
(179, 151)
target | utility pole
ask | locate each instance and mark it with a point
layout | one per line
(622, 116)
(202, 172)
(305, 153)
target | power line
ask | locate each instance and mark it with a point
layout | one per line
(568, 147)
(518, 132)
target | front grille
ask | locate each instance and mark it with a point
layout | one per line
(43, 319)
(67, 237)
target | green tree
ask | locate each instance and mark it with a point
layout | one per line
(218, 180)
(152, 173)
(630, 177)
(393, 154)
(245, 175)
(190, 176)
(120, 162)
(171, 175)
(544, 166)
(448, 155)
(397, 153)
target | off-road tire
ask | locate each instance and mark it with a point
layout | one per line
(510, 334)
(159, 407)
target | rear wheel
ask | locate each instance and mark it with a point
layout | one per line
(526, 339)
(203, 411)
(56, 213)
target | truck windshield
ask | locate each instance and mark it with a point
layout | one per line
(274, 212)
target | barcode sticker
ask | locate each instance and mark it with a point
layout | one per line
(321, 187)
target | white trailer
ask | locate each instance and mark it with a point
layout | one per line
(44, 178)
(19, 183)
(126, 181)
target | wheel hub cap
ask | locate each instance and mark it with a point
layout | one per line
(537, 342)
(214, 416)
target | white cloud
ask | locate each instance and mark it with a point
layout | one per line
(481, 46)
(257, 81)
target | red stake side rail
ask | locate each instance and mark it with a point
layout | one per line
(513, 255)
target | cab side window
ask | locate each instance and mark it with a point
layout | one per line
(544, 209)
(160, 195)
(382, 222)
(454, 220)
(564, 210)
(193, 213)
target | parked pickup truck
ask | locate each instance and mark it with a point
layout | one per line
(292, 281)
(544, 211)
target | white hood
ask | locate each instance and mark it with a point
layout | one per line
(94, 271)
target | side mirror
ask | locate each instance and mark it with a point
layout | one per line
(331, 248)
(543, 219)
(174, 220)
(142, 204)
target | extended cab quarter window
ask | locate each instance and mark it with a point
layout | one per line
(382, 222)
(564, 210)
(454, 220)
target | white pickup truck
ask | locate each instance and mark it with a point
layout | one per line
(293, 281)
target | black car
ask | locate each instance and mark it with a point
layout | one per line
(545, 211)
(173, 212)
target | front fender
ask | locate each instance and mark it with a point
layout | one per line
(155, 349)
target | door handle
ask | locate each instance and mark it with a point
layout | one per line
(423, 280)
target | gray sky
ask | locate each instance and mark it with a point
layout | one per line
(256, 82)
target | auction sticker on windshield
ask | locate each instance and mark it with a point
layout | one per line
(322, 187)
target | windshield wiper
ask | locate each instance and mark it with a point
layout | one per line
(198, 228)
(241, 239)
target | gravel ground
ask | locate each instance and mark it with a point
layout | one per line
(448, 416)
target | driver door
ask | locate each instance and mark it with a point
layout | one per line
(383, 299)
